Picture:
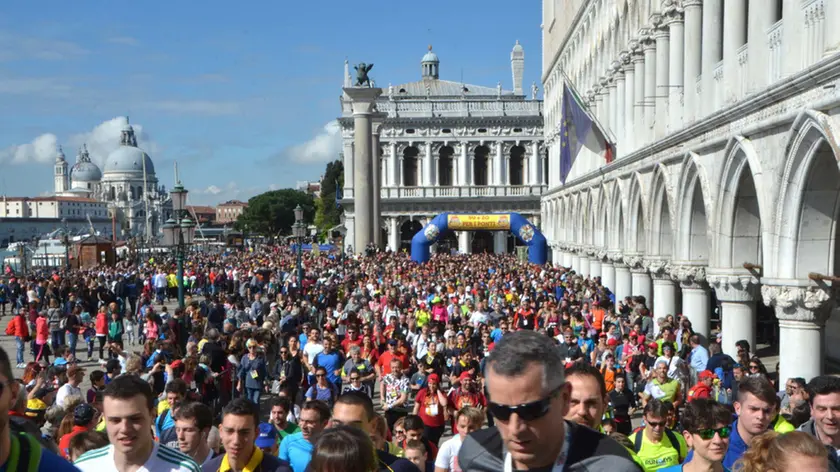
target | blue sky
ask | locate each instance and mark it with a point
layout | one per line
(240, 97)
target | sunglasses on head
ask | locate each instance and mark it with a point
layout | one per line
(709, 433)
(526, 411)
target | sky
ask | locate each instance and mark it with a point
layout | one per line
(243, 96)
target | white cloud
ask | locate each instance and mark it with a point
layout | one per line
(212, 190)
(323, 147)
(101, 141)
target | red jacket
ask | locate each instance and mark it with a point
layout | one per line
(101, 323)
(699, 391)
(18, 327)
(64, 442)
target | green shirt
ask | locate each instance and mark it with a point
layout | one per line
(291, 428)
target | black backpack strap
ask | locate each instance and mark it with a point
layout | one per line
(637, 443)
(675, 443)
(29, 457)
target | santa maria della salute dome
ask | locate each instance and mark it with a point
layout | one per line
(127, 182)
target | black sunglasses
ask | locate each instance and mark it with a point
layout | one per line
(709, 433)
(526, 411)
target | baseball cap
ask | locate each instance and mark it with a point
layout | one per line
(83, 414)
(612, 342)
(392, 342)
(706, 374)
(35, 408)
(267, 436)
(653, 345)
(465, 375)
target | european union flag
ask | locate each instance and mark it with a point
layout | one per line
(578, 129)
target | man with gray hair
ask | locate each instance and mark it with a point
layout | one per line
(529, 398)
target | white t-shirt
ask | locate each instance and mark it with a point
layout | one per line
(447, 457)
(65, 391)
(311, 350)
(162, 459)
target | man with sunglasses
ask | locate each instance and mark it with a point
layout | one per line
(657, 446)
(707, 431)
(529, 398)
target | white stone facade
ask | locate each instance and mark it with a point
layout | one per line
(726, 179)
(447, 146)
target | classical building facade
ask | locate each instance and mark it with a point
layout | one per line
(726, 182)
(444, 146)
(128, 186)
(229, 211)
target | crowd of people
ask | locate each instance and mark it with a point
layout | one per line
(465, 363)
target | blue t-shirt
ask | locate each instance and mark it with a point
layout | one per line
(331, 362)
(679, 468)
(297, 451)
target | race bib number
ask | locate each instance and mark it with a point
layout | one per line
(255, 374)
(432, 410)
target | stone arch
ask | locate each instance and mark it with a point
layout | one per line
(739, 209)
(617, 239)
(602, 218)
(693, 215)
(637, 216)
(809, 192)
(661, 241)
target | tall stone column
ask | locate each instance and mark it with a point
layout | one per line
(802, 313)
(734, 36)
(465, 165)
(620, 106)
(349, 164)
(608, 274)
(575, 262)
(638, 58)
(499, 165)
(673, 19)
(629, 141)
(594, 266)
(376, 168)
(832, 33)
(641, 283)
(567, 258)
(534, 164)
(583, 263)
(664, 290)
(500, 242)
(428, 165)
(394, 179)
(394, 234)
(737, 295)
(762, 15)
(623, 280)
(692, 67)
(696, 301)
(649, 48)
(661, 35)
(712, 54)
(363, 101)
(612, 97)
(601, 104)
(464, 242)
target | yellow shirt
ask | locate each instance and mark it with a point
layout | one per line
(655, 456)
(423, 318)
(781, 425)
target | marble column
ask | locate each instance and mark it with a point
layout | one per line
(349, 164)
(583, 263)
(567, 259)
(661, 35)
(363, 101)
(692, 66)
(534, 164)
(594, 267)
(638, 58)
(575, 262)
(734, 36)
(737, 295)
(696, 300)
(674, 21)
(623, 282)
(428, 165)
(642, 284)
(500, 242)
(712, 54)
(832, 33)
(649, 48)
(393, 178)
(802, 312)
(464, 175)
(601, 104)
(629, 142)
(464, 242)
(394, 234)
(612, 97)
(376, 165)
(620, 105)
(608, 275)
(499, 165)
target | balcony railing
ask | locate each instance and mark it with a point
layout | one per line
(474, 191)
(454, 108)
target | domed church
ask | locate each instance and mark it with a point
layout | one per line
(128, 184)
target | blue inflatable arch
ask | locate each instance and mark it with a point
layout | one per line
(520, 227)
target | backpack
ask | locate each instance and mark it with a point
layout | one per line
(672, 438)
(28, 458)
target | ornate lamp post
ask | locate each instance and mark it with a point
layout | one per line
(299, 232)
(179, 234)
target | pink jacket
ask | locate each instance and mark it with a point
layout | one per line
(42, 330)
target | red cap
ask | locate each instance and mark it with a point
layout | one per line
(633, 334)
(706, 374)
(176, 364)
(612, 342)
(653, 345)
(465, 375)
(433, 377)
(602, 335)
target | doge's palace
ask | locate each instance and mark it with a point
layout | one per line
(724, 192)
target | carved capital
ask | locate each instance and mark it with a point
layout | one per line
(807, 304)
(659, 268)
(735, 288)
(646, 39)
(689, 276)
(692, 3)
(635, 262)
(601, 255)
(672, 12)
(616, 257)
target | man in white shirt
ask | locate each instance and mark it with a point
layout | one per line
(129, 411)
(75, 376)
(469, 419)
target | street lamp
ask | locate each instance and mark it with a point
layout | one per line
(179, 233)
(299, 231)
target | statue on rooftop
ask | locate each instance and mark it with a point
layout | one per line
(362, 78)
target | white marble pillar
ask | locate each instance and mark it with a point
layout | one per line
(464, 163)
(639, 138)
(793, 40)
(567, 259)
(376, 169)
(575, 262)
(608, 275)
(464, 240)
(629, 141)
(601, 105)
(641, 284)
(500, 242)
(612, 97)
(762, 15)
(676, 27)
(623, 282)
(428, 165)
(620, 106)
(664, 296)
(737, 295)
(394, 176)
(534, 164)
(734, 36)
(692, 66)
(349, 164)
(696, 301)
(594, 267)
(661, 36)
(363, 100)
(394, 234)
(712, 54)
(583, 263)
(499, 165)
(832, 33)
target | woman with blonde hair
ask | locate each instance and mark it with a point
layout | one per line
(774, 452)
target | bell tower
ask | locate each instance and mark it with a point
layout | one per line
(61, 177)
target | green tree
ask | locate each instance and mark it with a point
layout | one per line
(327, 213)
(272, 213)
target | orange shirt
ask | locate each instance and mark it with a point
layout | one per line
(64, 442)
(598, 315)
(609, 378)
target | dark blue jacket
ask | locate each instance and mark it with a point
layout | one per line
(269, 464)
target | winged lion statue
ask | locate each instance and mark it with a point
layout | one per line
(362, 78)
